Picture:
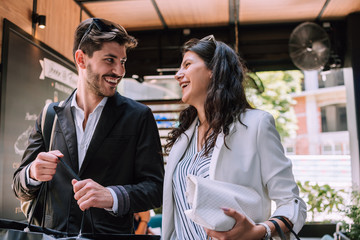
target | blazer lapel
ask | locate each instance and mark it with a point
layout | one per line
(219, 144)
(66, 123)
(176, 153)
(108, 118)
(179, 148)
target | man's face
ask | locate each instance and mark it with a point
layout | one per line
(105, 69)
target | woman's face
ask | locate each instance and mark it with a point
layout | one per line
(194, 79)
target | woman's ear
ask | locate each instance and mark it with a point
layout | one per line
(80, 58)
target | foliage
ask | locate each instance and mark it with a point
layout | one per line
(353, 212)
(321, 198)
(158, 210)
(276, 98)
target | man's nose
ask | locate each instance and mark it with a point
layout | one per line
(119, 69)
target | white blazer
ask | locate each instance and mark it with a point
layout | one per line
(255, 158)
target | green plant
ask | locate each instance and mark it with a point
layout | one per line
(274, 96)
(158, 210)
(321, 198)
(352, 211)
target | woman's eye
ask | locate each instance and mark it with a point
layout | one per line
(187, 64)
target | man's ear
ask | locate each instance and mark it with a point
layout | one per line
(80, 58)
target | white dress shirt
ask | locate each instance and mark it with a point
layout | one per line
(84, 136)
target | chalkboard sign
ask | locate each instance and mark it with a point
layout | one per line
(32, 75)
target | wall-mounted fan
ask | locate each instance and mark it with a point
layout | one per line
(309, 46)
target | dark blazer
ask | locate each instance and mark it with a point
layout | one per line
(125, 151)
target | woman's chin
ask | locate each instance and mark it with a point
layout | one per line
(184, 99)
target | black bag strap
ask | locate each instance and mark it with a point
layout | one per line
(34, 205)
(48, 123)
(287, 225)
(47, 128)
(278, 229)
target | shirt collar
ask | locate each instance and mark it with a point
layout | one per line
(74, 103)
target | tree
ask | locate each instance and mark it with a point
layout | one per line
(276, 97)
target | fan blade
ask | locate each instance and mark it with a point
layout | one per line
(319, 47)
(297, 52)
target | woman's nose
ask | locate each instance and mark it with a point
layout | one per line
(179, 75)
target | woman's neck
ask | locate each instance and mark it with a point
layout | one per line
(201, 115)
(202, 128)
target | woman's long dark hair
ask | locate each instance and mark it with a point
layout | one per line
(226, 98)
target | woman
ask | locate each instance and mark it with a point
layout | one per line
(141, 221)
(221, 137)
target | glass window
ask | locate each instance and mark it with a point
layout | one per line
(333, 118)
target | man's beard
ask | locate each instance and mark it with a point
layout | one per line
(93, 80)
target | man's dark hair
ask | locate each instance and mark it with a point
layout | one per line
(93, 32)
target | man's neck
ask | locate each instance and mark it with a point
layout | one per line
(87, 101)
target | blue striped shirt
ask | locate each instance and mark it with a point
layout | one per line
(195, 163)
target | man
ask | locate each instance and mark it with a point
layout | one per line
(110, 141)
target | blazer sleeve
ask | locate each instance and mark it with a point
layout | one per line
(35, 146)
(147, 192)
(277, 176)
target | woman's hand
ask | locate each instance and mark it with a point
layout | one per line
(242, 230)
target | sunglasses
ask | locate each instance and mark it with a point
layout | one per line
(209, 38)
(100, 25)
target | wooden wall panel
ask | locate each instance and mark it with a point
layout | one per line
(129, 14)
(84, 16)
(62, 18)
(260, 11)
(339, 8)
(194, 13)
(18, 12)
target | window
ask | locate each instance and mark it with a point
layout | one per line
(333, 118)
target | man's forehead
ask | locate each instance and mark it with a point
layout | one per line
(112, 49)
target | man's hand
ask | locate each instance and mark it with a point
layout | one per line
(89, 193)
(43, 167)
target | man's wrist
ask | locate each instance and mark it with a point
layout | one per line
(114, 207)
(28, 179)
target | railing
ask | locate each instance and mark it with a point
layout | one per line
(166, 114)
(334, 170)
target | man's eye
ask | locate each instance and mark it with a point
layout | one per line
(110, 60)
(187, 64)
